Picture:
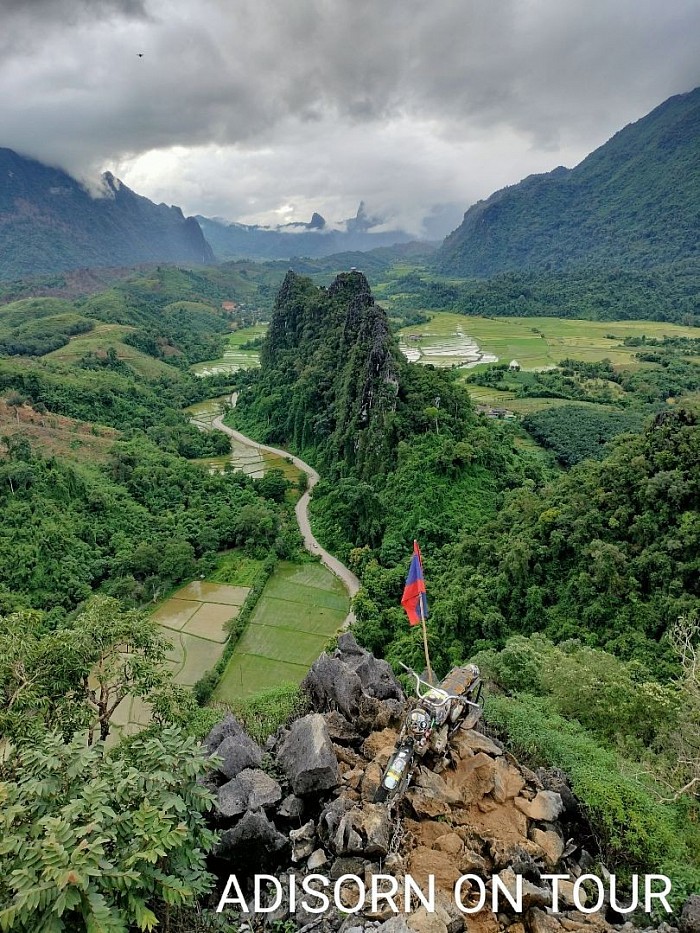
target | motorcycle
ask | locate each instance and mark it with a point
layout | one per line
(429, 724)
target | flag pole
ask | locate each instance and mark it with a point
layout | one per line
(425, 639)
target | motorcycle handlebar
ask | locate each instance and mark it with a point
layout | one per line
(448, 696)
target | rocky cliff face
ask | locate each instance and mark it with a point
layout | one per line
(333, 352)
(302, 805)
(49, 223)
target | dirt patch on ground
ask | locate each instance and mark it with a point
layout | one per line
(56, 434)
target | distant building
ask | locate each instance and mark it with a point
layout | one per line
(514, 366)
(229, 305)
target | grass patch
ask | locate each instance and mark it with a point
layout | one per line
(282, 644)
(237, 569)
(100, 339)
(263, 715)
(78, 441)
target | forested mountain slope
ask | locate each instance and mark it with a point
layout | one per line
(49, 222)
(633, 203)
(608, 553)
(334, 383)
(96, 491)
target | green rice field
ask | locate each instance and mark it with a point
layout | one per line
(300, 609)
(535, 342)
(234, 357)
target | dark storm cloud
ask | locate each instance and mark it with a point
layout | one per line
(549, 77)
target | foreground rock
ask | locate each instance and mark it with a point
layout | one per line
(307, 756)
(305, 806)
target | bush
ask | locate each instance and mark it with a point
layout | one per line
(262, 715)
(99, 842)
(635, 831)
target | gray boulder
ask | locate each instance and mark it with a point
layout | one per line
(332, 684)
(291, 808)
(251, 789)
(351, 680)
(307, 756)
(228, 726)
(690, 915)
(545, 806)
(254, 838)
(556, 780)
(238, 752)
(376, 676)
(395, 924)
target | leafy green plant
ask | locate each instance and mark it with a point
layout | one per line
(636, 831)
(102, 839)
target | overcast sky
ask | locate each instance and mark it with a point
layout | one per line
(266, 110)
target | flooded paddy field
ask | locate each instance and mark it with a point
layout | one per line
(252, 462)
(236, 355)
(443, 343)
(300, 609)
(195, 620)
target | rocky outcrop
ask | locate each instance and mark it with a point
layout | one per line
(356, 684)
(482, 815)
(307, 756)
(250, 790)
(690, 916)
(238, 752)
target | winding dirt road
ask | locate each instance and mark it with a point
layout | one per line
(352, 584)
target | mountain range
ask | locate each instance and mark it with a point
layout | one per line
(633, 203)
(49, 222)
(312, 240)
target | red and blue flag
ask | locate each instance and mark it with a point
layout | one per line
(414, 600)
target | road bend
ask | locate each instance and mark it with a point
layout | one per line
(350, 581)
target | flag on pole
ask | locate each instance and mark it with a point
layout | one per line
(414, 600)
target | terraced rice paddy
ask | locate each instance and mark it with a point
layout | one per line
(300, 609)
(235, 357)
(195, 621)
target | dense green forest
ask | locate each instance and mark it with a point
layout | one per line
(665, 293)
(133, 527)
(102, 514)
(404, 455)
(142, 518)
(575, 591)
